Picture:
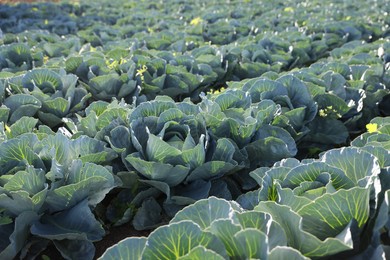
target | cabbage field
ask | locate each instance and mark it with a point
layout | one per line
(176, 129)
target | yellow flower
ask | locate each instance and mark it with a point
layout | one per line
(196, 21)
(322, 113)
(140, 72)
(220, 90)
(7, 129)
(112, 65)
(216, 91)
(372, 128)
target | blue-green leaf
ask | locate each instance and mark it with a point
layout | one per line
(285, 252)
(308, 244)
(18, 152)
(22, 105)
(212, 169)
(172, 175)
(68, 225)
(263, 222)
(357, 165)
(130, 248)
(159, 151)
(310, 172)
(46, 80)
(163, 243)
(20, 201)
(148, 215)
(205, 211)
(253, 242)
(226, 230)
(23, 125)
(75, 249)
(224, 150)
(89, 181)
(328, 215)
(18, 238)
(32, 180)
(201, 253)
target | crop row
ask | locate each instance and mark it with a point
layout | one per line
(337, 205)
(154, 110)
(182, 59)
(179, 151)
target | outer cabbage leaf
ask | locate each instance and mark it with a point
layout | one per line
(129, 248)
(283, 252)
(311, 171)
(23, 125)
(191, 236)
(85, 181)
(18, 152)
(17, 202)
(148, 216)
(199, 253)
(17, 235)
(68, 225)
(359, 166)
(205, 211)
(65, 150)
(22, 105)
(263, 222)
(172, 175)
(46, 80)
(105, 87)
(271, 144)
(308, 244)
(325, 133)
(253, 242)
(19, 55)
(23, 191)
(75, 249)
(328, 215)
